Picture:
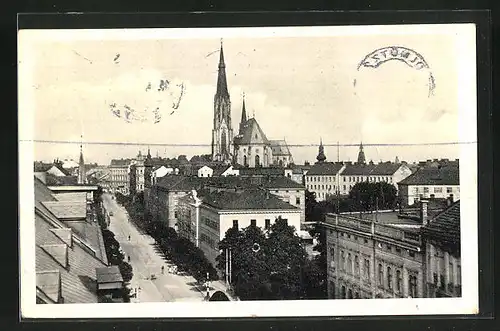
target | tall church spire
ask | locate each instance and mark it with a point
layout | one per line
(321, 152)
(243, 111)
(222, 133)
(81, 166)
(221, 78)
(361, 154)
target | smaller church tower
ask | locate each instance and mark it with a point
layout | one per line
(81, 168)
(243, 116)
(361, 154)
(321, 152)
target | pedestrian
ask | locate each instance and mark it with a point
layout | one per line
(162, 269)
(128, 237)
(128, 258)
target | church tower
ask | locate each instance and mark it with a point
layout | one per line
(321, 152)
(361, 155)
(81, 168)
(222, 133)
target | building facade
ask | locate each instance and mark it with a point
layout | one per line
(119, 175)
(372, 259)
(439, 181)
(442, 262)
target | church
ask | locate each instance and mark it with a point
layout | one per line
(249, 147)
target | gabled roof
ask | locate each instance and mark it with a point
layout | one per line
(280, 182)
(109, 274)
(325, 168)
(445, 227)
(385, 169)
(244, 200)
(179, 182)
(250, 134)
(260, 171)
(120, 162)
(439, 175)
(279, 147)
(67, 209)
(49, 282)
(357, 169)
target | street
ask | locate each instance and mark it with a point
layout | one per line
(146, 262)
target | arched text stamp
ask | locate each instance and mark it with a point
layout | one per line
(398, 53)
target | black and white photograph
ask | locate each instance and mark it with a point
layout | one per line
(289, 171)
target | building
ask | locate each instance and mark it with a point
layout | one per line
(140, 173)
(222, 133)
(222, 210)
(250, 147)
(282, 187)
(120, 178)
(377, 255)
(442, 263)
(69, 247)
(323, 177)
(164, 196)
(436, 181)
(281, 153)
(188, 216)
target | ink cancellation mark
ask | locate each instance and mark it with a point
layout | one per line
(175, 92)
(398, 53)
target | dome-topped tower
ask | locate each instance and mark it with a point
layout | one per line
(321, 152)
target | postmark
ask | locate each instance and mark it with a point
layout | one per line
(161, 98)
(408, 56)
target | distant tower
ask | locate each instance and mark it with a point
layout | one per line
(81, 167)
(321, 152)
(243, 115)
(361, 154)
(397, 160)
(222, 133)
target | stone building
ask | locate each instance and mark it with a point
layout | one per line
(442, 263)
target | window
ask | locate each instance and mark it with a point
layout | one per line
(253, 222)
(235, 224)
(449, 190)
(426, 189)
(297, 200)
(438, 190)
(389, 248)
(366, 241)
(398, 280)
(344, 180)
(267, 224)
(412, 286)
(344, 188)
(435, 278)
(380, 275)
(349, 263)
(459, 275)
(366, 268)
(411, 253)
(389, 278)
(398, 250)
(342, 260)
(450, 272)
(257, 160)
(356, 265)
(442, 284)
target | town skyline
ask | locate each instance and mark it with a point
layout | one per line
(278, 85)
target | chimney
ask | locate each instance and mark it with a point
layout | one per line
(423, 211)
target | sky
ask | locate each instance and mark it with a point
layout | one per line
(299, 88)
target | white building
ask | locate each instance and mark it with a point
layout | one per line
(431, 182)
(222, 210)
(205, 171)
(387, 172)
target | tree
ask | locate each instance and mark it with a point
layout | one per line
(286, 261)
(371, 196)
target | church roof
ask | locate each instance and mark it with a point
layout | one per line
(279, 147)
(250, 134)
(221, 78)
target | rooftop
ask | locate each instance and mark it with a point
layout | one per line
(251, 133)
(324, 168)
(445, 227)
(244, 200)
(179, 182)
(67, 209)
(279, 147)
(434, 175)
(261, 171)
(109, 274)
(271, 182)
